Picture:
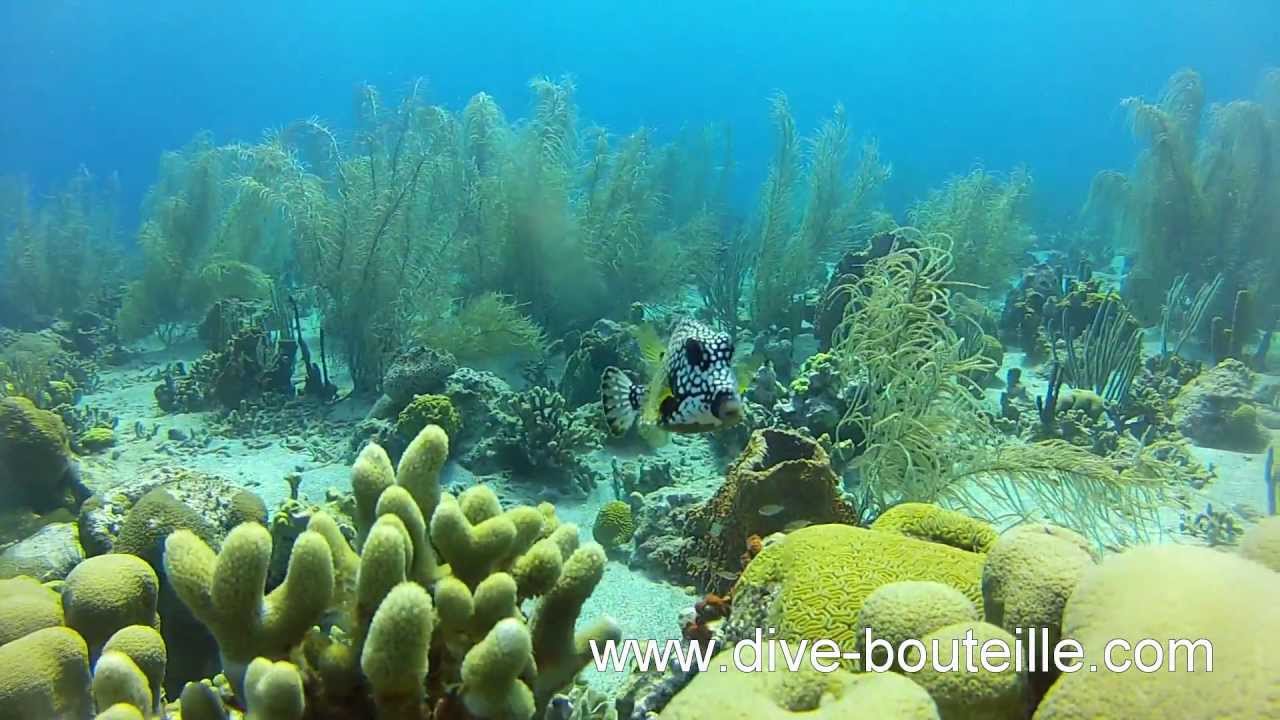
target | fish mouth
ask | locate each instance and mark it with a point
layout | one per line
(727, 409)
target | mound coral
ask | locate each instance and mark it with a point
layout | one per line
(614, 525)
(817, 578)
(1172, 592)
(36, 469)
(1261, 543)
(737, 694)
(108, 592)
(961, 693)
(936, 524)
(426, 410)
(908, 610)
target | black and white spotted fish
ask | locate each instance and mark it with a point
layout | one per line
(693, 385)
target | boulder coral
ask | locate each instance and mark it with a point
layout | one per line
(817, 578)
(930, 522)
(1261, 543)
(36, 466)
(1172, 592)
(780, 694)
(995, 690)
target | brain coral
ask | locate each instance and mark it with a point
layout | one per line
(35, 457)
(937, 524)
(1164, 592)
(614, 524)
(902, 611)
(824, 572)
(781, 694)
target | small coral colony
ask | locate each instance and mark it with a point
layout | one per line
(519, 370)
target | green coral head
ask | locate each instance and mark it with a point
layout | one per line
(274, 691)
(614, 525)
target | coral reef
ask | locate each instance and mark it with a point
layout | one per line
(781, 481)
(36, 467)
(1171, 592)
(538, 435)
(1216, 409)
(605, 344)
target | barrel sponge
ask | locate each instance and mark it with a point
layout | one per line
(822, 573)
(397, 501)
(273, 691)
(781, 694)
(420, 465)
(491, 686)
(559, 653)
(371, 473)
(121, 711)
(1030, 573)
(929, 522)
(614, 524)
(200, 701)
(224, 591)
(28, 606)
(394, 659)
(45, 675)
(108, 592)
(1164, 592)
(909, 610)
(118, 679)
(990, 693)
(144, 646)
(1261, 543)
(471, 551)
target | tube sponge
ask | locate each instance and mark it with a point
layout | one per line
(491, 686)
(420, 465)
(471, 551)
(118, 679)
(224, 591)
(45, 675)
(106, 593)
(370, 475)
(394, 659)
(273, 691)
(28, 606)
(144, 646)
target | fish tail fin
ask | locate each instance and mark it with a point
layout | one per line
(621, 399)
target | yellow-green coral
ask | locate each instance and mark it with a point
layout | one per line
(118, 679)
(781, 694)
(1166, 592)
(96, 439)
(908, 610)
(614, 524)
(824, 572)
(426, 410)
(491, 686)
(991, 693)
(45, 675)
(107, 593)
(35, 452)
(224, 591)
(394, 659)
(936, 524)
(273, 691)
(145, 648)
(28, 606)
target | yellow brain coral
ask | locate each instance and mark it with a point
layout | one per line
(909, 610)
(614, 524)
(1173, 592)
(937, 524)
(997, 690)
(824, 572)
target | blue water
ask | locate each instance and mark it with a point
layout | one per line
(943, 85)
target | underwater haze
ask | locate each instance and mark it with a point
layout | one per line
(625, 361)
